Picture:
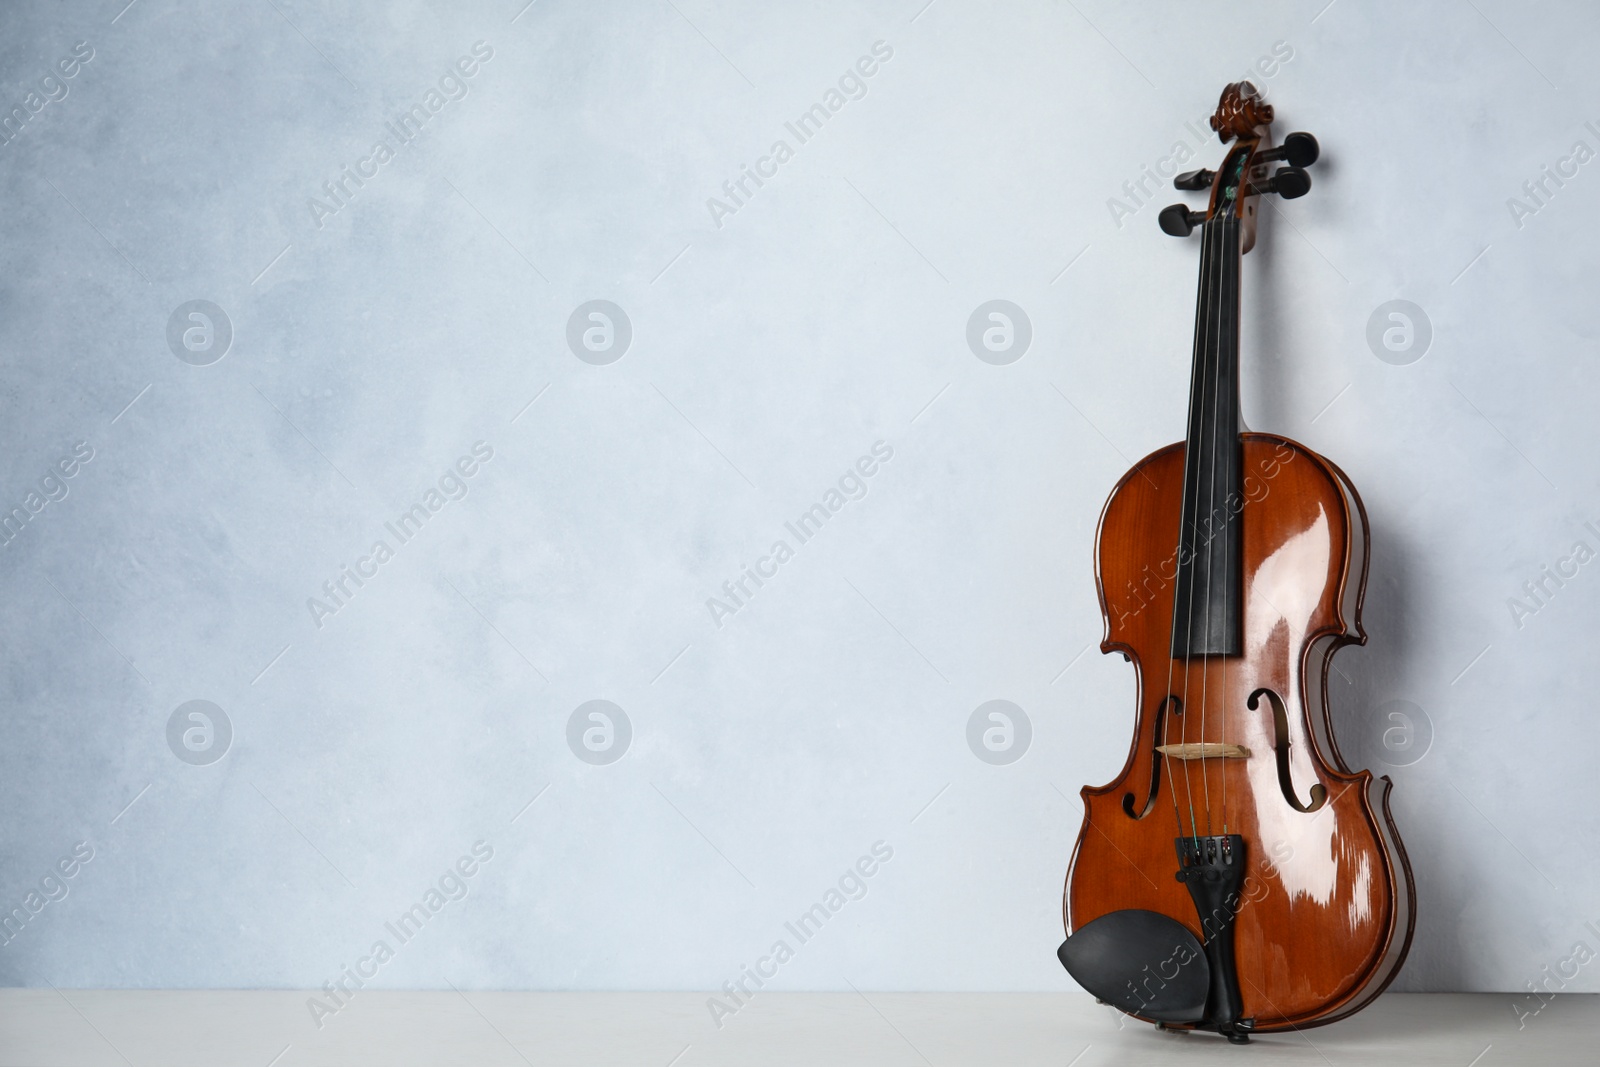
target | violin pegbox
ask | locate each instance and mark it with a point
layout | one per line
(1245, 119)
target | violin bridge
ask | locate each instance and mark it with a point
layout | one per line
(1204, 750)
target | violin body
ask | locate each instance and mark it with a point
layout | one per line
(1236, 876)
(1326, 913)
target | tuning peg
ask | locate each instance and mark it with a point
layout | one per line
(1194, 180)
(1297, 150)
(1289, 183)
(1179, 221)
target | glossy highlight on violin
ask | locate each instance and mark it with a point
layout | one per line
(1236, 876)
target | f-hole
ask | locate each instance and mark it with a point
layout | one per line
(1280, 725)
(1155, 761)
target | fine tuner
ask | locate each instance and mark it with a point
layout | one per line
(1299, 150)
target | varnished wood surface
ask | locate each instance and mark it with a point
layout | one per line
(1240, 112)
(1326, 914)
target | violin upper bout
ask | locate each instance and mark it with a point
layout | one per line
(1304, 552)
(1313, 536)
(1136, 552)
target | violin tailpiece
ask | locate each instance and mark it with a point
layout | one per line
(1212, 869)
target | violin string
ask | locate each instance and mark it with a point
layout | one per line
(1199, 528)
(1187, 571)
(1182, 575)
(1214, 341)
(1166, 721)
(1233, 521)
(1220, 349)
(1233, 524)
(1207, 532)
(1232, 259)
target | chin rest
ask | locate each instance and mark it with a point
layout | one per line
(1140, 962)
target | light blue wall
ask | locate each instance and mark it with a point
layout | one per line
(772, 347)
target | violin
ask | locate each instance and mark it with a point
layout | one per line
(1236, 876)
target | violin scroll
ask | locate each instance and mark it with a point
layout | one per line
(1240, 112)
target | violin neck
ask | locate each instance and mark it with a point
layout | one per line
(1207, 608)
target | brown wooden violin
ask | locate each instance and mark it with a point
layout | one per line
(1236, 876)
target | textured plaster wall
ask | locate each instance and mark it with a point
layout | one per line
(408, 354)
